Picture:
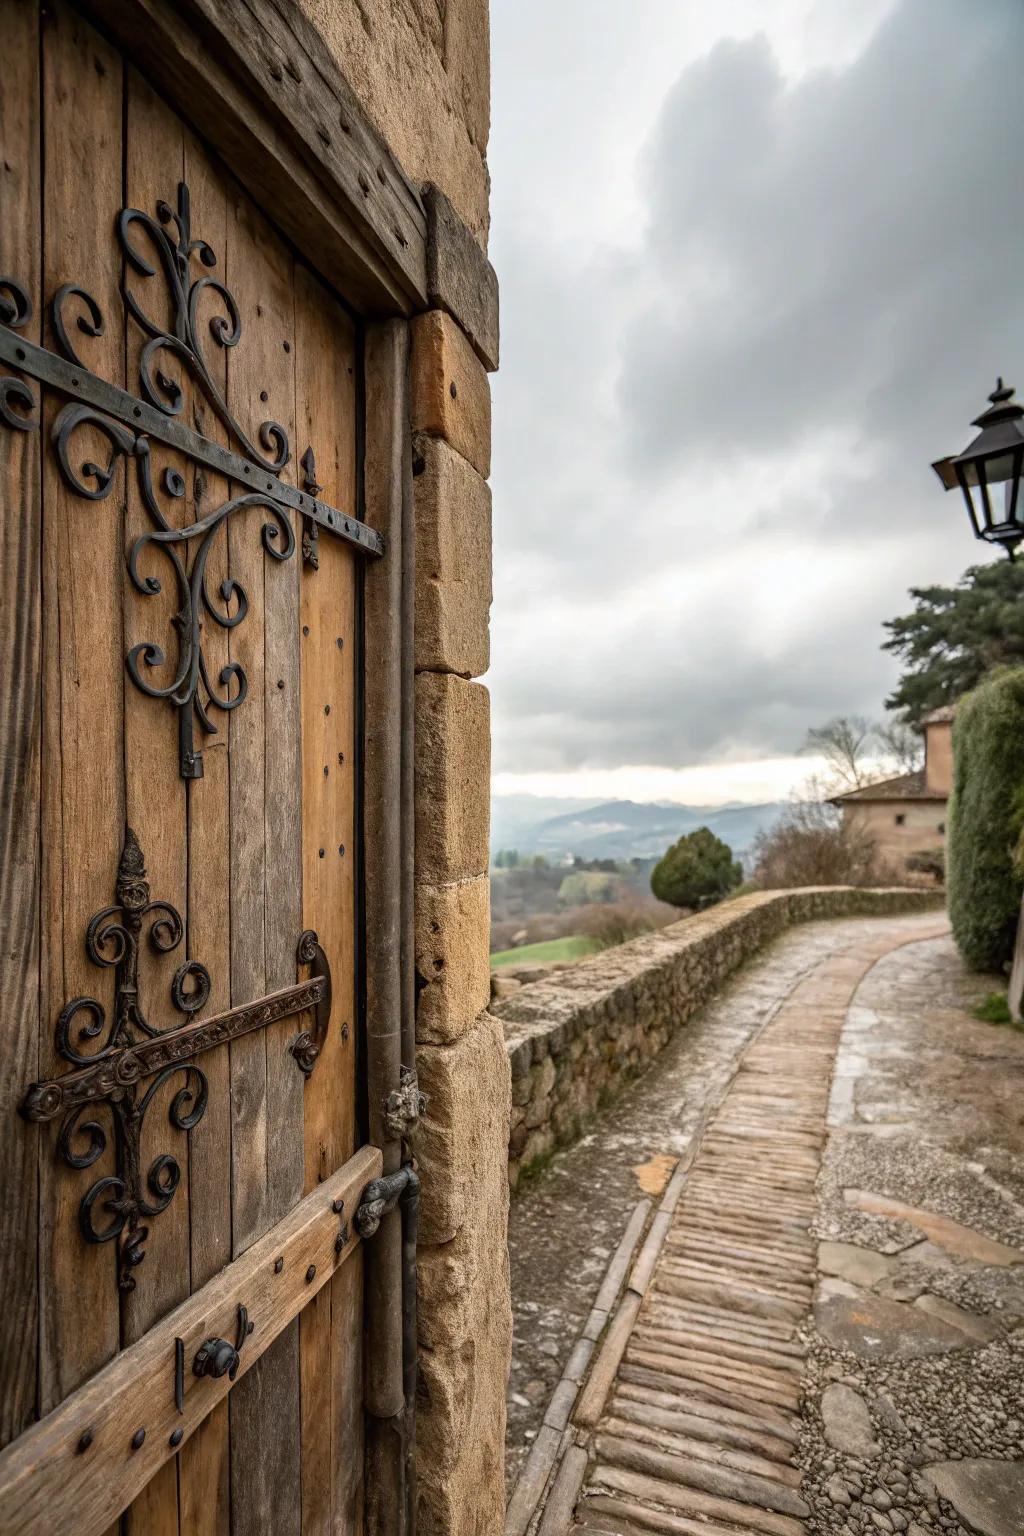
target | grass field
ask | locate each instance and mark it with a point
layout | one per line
(547, 952)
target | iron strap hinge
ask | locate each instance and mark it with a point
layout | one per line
(382, 1195)
(119, 1205)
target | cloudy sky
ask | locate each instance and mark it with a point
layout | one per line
(760, 262)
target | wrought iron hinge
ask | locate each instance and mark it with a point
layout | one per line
(382, 1195)
(159, 254)
(120, 1204)
(310, 530)
(403, 1106)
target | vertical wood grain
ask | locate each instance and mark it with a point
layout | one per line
(82, 763)
(261, 847)
(326, 416)
(154, 790)
(347, 1427)
(20, 682)
(266, 1086)
(326, 421)
(246, 737)
(203, 1465)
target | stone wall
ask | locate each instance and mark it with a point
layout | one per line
(574, 1039)
(421, 69)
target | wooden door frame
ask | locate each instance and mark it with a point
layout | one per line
(258, 84)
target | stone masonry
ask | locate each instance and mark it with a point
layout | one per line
(422, 72)
(577, 1037)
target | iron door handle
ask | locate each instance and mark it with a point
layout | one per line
(216, 1357)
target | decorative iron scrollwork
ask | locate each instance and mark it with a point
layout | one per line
(131, 1049)
(17, 401)
(118, 1205)
(191, 688)
(129, 425)
(183, 342)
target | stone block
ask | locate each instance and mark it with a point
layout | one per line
(467, 43)
(460, 279)
(520, 1054)
(451, 397)
(465, 1320)
(538, 1112)
(452, 962)
(540, 1143)
(461, 1142)
(453, 761)
(460, 1434)
(543, 1077)
(453, 561)
(522, 1087)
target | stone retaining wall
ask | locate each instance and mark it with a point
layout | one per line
(575, 1038)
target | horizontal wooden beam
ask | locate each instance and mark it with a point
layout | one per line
(259, 84)
(78, 1468)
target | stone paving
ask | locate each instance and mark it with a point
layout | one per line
(565, 1224)
(914, 1396)
(906, 1414)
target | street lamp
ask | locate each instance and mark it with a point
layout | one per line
(995, 457)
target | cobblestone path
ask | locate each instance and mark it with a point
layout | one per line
(689, 1421)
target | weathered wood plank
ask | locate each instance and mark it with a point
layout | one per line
(558, 1507)
(599, 1383)
(47, 1483)
(203, 1482)
(83, 675)
(155, 804)
(325, 422)
(154, 790)
(347, 1399)
(20, 684)
(249, 1147)
(261, 85)
(203, 1465)
(266, 807)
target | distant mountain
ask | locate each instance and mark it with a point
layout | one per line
(617, 829)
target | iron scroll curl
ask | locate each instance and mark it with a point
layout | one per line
(110, 1057)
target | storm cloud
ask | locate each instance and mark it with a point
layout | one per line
(717, 407)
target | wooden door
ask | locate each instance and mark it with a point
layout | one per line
(181, 1335)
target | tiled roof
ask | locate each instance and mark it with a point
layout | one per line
(906, 786)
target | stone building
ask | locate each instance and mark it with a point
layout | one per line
(906, 815)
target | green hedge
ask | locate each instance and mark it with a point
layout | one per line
(985, 818)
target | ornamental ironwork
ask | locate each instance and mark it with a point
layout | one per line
(131, 1050)
(129, 424)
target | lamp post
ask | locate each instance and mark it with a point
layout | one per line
(994, 458)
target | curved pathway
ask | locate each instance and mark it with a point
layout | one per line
(688, 1421)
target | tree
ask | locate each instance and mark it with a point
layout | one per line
(584, 886)
(985, 818)
(857, 752)
(956, 635)
(696, 871)
(845, 743)
(902, 745)
(813, 844)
